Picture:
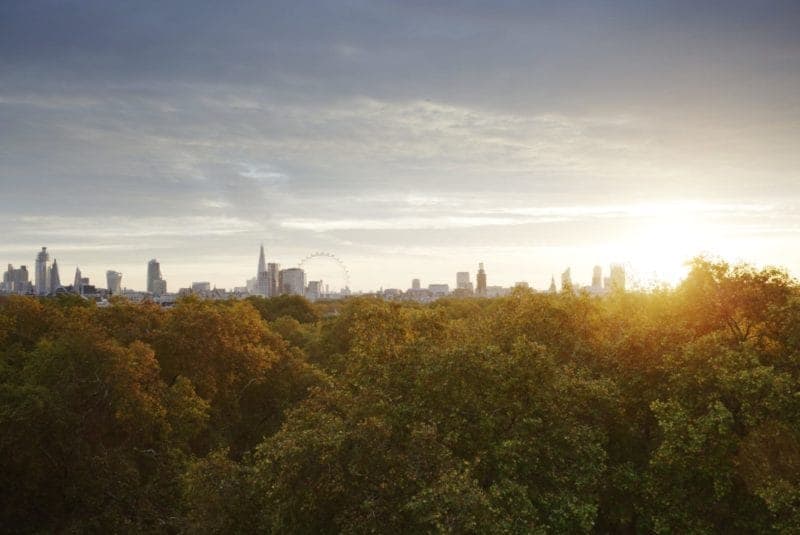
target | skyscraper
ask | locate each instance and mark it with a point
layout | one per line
(114, 281)
(293, 281)
(55, 279)
(481, 280)
(617, 277)
(262, 277)
(566, 281)
(41, 284)
(597, 278)
(16, 280)
(416, 284)
(314, 290)
(77, 283)
(273, 279)
(156, 284)
(463, 282)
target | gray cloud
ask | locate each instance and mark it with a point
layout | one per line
(369, 126)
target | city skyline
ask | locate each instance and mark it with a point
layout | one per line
(270, 280)
(412, 140)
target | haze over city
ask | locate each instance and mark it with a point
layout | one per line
(410, 140)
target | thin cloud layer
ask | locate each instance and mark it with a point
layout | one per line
(195, 131)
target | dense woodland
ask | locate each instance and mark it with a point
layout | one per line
(668, 411)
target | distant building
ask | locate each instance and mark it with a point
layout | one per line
(293, 281)
(251, 285)
(416, 284)
(463, 282)
(114, 282)
(496, 291)
(262, 286)
(156, 284)
(481, 280)
(392, 294)
(597, 278)
(159, 287)
(42, 284)
(420, 295)
(273, 279)
(16, 281)
(439, 290)
(617, 278)
(566, 281)
(314, 290)
(522, 284)
(201, 287)
(77, 282)
(54, 278)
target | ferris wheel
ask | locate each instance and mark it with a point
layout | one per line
(328, 268)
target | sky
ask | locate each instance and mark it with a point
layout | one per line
(410, 139)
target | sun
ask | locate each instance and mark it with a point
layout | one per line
(660, 249)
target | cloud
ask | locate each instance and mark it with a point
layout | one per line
(199, 128)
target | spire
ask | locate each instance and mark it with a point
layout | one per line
(553, 288)
(262, 262)
(76, 286)
(55, 280)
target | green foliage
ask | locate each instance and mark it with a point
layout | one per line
(674, 411)
(293, 306)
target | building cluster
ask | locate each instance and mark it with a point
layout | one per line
(272, 281)
(464, 287)
(47, 280)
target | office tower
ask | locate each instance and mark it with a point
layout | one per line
(16, 280)
(159, 287)
(55, 279)
(114, 281)
(552, 288)
(597, 278)
(293, 281)
(617, 277)
(273, 279)
(78, 281)
(463, 282)
(416, 284)
(262, 276)
(250, 285)
(156, 284)
(314, 290)
(42, 284)
(481, 280)
(7, 279)
(566, 281)
(153, 273)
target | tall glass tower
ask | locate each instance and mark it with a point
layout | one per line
(153, 276)
(262, 277)
(55, 279)
(114, 280)
(42, 284)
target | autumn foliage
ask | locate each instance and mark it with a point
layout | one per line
(669, 411)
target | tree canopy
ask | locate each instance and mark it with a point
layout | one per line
(641, 412)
